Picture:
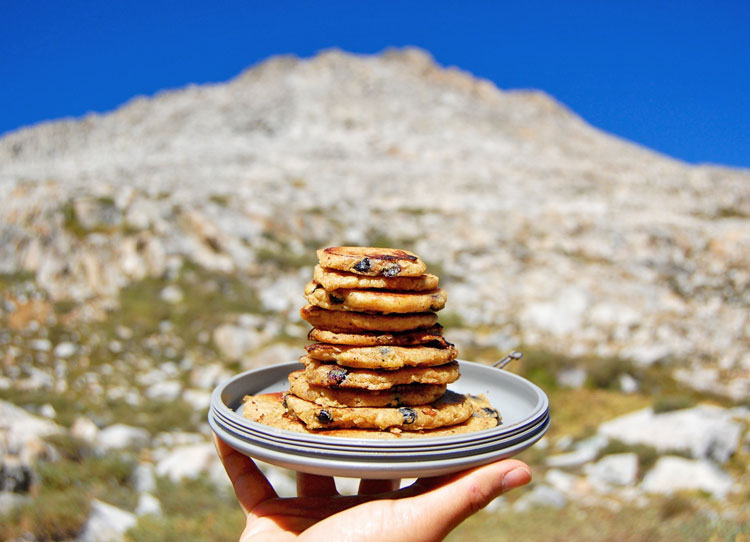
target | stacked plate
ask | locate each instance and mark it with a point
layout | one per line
(523, 406)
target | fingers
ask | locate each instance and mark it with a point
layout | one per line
(250, 485)
(453, 499)
(313, 485)
(373, 487)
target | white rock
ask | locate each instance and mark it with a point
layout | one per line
(106, 523)
(169, 390)
(704, 431)
(646, 355)
(234, 341)
(9, 502)
(48, 411)
(144, 478)
(148, 505)
(271, 355)
(187, 461)
(64, 350)
(573, 378)
(172, 294)
(199, 399)
(561, 316)
(22, 434)
(209, 376)
(561, 480)
(613, 469)
(628, 384)
(541, 495)
(41, 345)
(672, 473)
(120, 436)
(585, 451)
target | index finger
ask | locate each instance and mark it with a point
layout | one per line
(249, 483)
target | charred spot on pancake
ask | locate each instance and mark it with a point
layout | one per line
(491, 413)
(337, 375)
(363, 266)
(336, 300)
(391, 270)
(324, 416)
(409, 414)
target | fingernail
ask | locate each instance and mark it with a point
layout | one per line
(516, 478)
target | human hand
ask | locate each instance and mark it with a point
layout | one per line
(425, 511)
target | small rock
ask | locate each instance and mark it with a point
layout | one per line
(234, 341)
(144, 478)
(121, 436)
(148, 505)
(672, 473)
(16, 476)
(541, 495)
(561, 480)
(573, 378)
(187, 461)
(84, 429)
(41, 345)
(48, 411)
(628, 384)
(172, 294)
(10, 502)
(64, 350)
(584, 452)
(106, 523)
(167, 391)
(23, 434)
(200, 399)
(614, 469)
(271, 355)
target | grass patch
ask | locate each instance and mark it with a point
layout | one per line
(579, 413)
(194, 511)
(65, 489)
(666, 521)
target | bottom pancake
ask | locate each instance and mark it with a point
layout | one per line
(450, 409)
(269, 409)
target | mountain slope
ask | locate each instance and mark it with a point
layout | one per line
(547, 230)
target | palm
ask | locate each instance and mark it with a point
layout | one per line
(424, 511)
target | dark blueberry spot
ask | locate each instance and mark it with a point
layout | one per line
(324, 416)
(363, 266)
(337, 375)
(392, 270)
(283, 402)
(335, 299)
(409, 414)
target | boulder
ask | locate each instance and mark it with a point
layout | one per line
(106, 523)
(23, 434)
(187, 461)
(613, 469)
(703, 432)
(541, 495)
(672, 473)
(148, 505)
(121, 436)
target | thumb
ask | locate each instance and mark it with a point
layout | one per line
(454, 500)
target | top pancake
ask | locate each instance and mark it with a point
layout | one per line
(333, 279)
(372, 261)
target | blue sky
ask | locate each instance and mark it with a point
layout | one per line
(673, 76)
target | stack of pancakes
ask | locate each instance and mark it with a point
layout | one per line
(379, 361)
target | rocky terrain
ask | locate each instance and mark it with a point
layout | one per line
(149, 253)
